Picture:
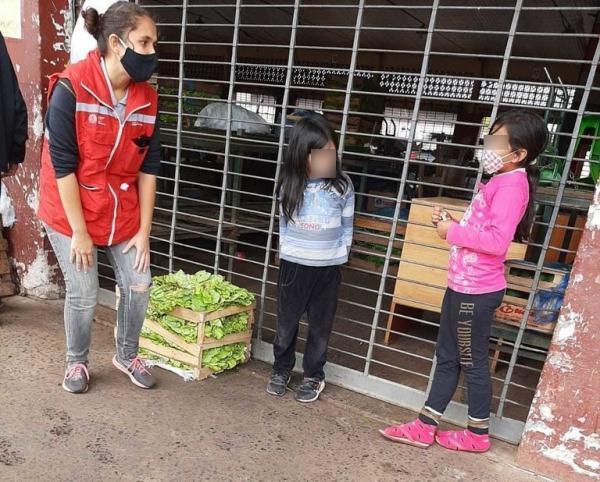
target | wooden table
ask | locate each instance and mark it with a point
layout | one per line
(501, 333)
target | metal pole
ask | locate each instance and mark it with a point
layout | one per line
(413, 125)
(351, 70)
(552, 222)
(236, 29)
(284, 104)
(179, 127)
(502, 78)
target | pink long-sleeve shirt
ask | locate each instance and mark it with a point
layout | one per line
(481, 240)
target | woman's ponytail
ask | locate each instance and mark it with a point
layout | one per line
(93, 22)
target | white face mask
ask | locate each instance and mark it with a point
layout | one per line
(492, 162)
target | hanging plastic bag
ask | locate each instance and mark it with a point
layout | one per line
(7, 210)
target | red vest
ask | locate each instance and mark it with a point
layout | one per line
(109, 158)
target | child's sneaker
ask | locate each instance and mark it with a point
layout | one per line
(463, 440)
(278, 384)
(415, 433)
(77, 378)
(309, 390)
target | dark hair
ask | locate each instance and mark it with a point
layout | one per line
(526, 130)
(120, 18)
(311, 132)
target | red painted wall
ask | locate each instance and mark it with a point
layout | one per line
(561, 437)
(40, 52)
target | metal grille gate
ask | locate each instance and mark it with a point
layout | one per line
(411, 87)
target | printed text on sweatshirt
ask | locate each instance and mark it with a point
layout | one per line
(321, 233)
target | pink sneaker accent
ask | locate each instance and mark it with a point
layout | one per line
(414, 433)
(463, 440)
(137, 364)
(77, 371)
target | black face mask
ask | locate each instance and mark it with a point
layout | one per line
(139, 67)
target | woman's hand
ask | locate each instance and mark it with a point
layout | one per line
(82, 250)
(442, 228)
(141, 241)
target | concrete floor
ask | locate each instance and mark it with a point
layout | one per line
(225, 428)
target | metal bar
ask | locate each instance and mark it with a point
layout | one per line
(230, 101)
(351, 70)
(286, 93)
(502, 77)
(415, 113)
(178, 142)
(554, 215)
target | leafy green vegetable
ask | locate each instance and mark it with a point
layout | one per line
(216, 329)
(148, 355)
(169, 103)
(200, 292)
(222, 327)
(156, 338)
(224, 357)
(185, 329)
(217, 359)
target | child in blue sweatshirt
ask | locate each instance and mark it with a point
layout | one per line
(315, 235)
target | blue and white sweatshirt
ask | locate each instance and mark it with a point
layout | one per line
(321, 232)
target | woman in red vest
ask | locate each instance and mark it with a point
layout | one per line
(100, 159)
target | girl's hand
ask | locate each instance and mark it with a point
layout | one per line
(141, 241)
(436, 215)
(440, 214)
(82, 251)
(442, 228)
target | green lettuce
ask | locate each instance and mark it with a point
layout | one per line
(224, 357)
(185, 329)
(222, 327)
(148, 355)
(200, 292)
(156, 338)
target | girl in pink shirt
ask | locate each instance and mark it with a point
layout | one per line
(502, 211)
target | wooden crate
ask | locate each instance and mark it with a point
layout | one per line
(7, 286)
(191, 353)
(4, 263)
(512, 309)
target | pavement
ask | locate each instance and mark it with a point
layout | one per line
(224, 428)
